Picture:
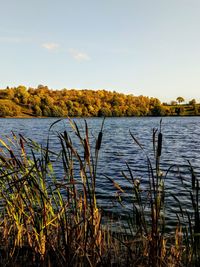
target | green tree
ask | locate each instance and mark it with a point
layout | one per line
(180, 99)
(192, 102)
(158, 110)
(173, 103)
(179, 110)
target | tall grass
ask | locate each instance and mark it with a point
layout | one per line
(49, 221)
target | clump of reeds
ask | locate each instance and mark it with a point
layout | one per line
(47, 220)
(148, 241)
(190, 219)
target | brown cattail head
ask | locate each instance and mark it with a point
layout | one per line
(99, 140)
(159, 147)
(86, 150)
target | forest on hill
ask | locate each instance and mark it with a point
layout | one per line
(44, 102)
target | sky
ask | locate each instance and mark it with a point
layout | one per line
(139, 47)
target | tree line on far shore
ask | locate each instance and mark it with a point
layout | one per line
(45, 102)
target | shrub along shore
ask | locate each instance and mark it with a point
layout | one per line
(45, 221)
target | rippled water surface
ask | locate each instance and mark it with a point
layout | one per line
(181, 142)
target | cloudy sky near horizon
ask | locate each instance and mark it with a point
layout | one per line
(139, 47)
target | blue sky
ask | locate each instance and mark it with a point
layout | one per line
(139, 47)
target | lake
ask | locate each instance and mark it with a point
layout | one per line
(181, 143)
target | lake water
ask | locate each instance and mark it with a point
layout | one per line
(181, 142)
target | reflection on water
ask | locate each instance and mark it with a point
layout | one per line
(180, 144)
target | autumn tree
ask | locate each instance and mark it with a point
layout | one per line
(8, 108)
(21, 94)
(37, 110)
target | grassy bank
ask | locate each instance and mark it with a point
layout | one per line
(46, 221)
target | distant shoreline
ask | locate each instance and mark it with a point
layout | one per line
(89, 117)
(20, 102)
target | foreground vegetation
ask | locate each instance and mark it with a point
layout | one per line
(51, 221)
(22, 102)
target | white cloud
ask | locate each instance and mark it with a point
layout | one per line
(78, 55)
(50, 46)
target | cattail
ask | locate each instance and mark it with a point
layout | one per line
(154, 140)
(86, 150)
(22, 145)
(67, 139)
(98, 143)
(159, 148)
(193, 180)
